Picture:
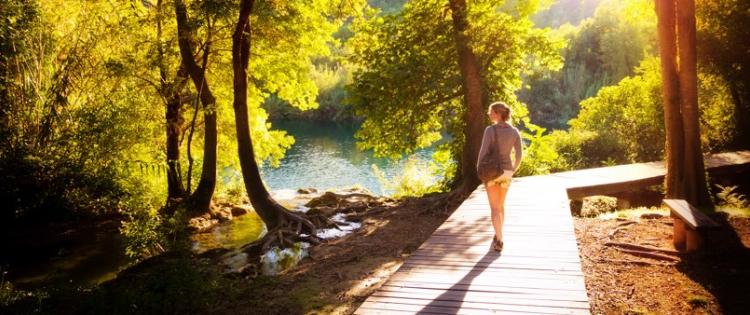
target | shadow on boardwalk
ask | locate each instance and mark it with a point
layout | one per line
(452, 298)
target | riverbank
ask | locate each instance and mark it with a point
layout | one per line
(336, 277)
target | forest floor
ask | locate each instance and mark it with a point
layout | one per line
(341, 273)
(714, 281)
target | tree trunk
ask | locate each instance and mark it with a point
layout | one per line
(696, 191)
(170, 94)
(473, 97)
(264, 205)
(201, 198)
(174, 124)
(674, 147)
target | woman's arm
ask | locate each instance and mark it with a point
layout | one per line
(518, 148)
(486, 140)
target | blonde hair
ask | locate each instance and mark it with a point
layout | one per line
(501, 109)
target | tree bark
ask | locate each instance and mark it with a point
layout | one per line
(696, 191)
(674, 147)
(473, 96)
(261, 200)
(201, 197)
(169, 92)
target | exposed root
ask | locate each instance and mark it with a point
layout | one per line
(642, 248)
(619, 228)
(631, 262)
(648, 254)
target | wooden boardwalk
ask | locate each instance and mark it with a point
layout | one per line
(539, 270)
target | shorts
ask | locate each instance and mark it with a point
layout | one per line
(503, 180)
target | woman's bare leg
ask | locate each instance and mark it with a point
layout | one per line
(496, 195)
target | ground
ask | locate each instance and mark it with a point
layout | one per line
(712, 282)
(341, 274)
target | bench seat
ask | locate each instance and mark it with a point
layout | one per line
(689, 223)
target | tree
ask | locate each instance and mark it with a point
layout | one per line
(412, 69)
(273, 30)
(685, 171)
(201, 197)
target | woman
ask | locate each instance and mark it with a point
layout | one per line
(501, 137)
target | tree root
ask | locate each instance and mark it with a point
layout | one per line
(619, 228)
(648, 254)
(631, 262)
(642, 248)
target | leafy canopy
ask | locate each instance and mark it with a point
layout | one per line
(407, 83)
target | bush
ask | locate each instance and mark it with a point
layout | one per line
(414, 180)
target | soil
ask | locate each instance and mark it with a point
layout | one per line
(713, 281)
(340, 274)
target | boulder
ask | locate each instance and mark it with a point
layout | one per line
(239, 210)
(222, 214)
(202, 224)
(307, 191)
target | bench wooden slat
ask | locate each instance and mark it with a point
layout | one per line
(689, 214)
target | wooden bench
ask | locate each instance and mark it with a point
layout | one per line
(689, 223)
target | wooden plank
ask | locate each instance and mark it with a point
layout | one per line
(689, 214)
(454, 307)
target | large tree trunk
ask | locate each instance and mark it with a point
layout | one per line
(674, 146)
(696, 191)
(473, 97)
(685, 171)
(273, 215)
(201, 198)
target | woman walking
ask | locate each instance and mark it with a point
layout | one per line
(499, 139)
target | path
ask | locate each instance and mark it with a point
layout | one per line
(539, 270)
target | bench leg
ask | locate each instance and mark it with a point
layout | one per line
(694, 240)
(679, 237)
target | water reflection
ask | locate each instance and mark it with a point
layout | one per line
(325, 156)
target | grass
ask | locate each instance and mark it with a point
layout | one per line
(633, 213)
(734, 212)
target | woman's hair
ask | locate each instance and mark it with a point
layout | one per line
(501, 109)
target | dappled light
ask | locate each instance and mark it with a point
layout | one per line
(374, 156)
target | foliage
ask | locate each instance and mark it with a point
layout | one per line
(722, 30)
(414, 180)
(623, 123)
(596, 205)
(566, 12)
(729, 197)
(407, 84)
(601, 51)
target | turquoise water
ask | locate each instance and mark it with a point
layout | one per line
(325, 156)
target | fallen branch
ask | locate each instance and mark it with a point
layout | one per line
(642, 248)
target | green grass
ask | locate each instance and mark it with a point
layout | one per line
(633, 213)
(734, 212)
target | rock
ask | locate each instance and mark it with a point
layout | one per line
(307, 191)
(239, 210)
(202, 224)
(222, 214)
(329, 199)
(322, 210)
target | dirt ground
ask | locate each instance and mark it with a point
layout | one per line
(715, 281)
(340, 274)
